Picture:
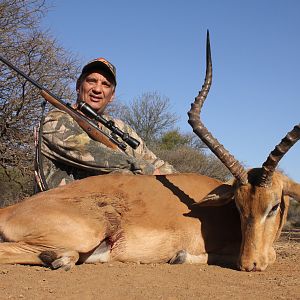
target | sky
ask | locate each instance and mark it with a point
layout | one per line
(159, 45)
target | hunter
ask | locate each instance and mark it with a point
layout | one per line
(67, 153)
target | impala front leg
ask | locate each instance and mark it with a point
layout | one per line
(183, 257)
(20, 253)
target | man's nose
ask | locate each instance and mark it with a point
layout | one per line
(97, 88)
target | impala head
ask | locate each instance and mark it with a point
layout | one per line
(263, 211)
(261, 194)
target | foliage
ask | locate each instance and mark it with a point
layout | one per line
(148, 114)
(187, 156)
(38, 55)
(188, 160)
(173, 139)
(14, 185)
(294, 214)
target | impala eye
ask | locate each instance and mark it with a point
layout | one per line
(273, 210)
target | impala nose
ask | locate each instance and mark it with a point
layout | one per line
(250, 267)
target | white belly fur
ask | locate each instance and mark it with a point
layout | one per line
(100, 254)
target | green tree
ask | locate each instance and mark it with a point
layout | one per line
(173, 139)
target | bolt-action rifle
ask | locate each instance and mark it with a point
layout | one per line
(86, 121)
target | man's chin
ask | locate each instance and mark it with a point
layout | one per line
(96, 106)
(99, 109)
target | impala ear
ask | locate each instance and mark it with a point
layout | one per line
(291, 188)
(284, 206)
(221, 195)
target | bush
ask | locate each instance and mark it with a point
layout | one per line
(188, 160)
(293, 217)
(14, 186)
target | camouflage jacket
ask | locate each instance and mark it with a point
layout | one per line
(68, 153)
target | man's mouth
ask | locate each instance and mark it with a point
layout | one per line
(95, 98)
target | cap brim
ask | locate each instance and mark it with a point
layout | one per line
(98, 65)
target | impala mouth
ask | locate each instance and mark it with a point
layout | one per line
(253, 268)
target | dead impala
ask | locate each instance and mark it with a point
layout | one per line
(179, 218)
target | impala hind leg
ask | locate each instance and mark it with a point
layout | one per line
(183, 257)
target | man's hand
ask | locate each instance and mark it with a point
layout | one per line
(156, 172)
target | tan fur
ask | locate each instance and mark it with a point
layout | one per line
(145, 219)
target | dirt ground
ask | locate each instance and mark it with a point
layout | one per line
(133, 281)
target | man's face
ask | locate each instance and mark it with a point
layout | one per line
(97, 90)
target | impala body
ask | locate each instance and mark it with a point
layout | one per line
(126, 218)
(179, 218)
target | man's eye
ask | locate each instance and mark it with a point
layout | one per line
(273, 210)
(90, 79)
(107, 84)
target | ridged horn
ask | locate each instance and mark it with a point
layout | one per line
(276, 155)
(233, 165)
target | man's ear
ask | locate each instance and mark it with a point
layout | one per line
(221, 195)
(112, 97)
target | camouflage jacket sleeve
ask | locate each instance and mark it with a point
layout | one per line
(66, 142)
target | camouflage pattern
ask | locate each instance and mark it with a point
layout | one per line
(68, 153)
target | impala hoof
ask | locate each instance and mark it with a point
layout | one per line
(179, 258)
(47, 257)
(54, 260)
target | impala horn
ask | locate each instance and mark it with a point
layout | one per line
(233, 165)
(276, 155)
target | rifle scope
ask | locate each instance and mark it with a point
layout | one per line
(89, 112)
